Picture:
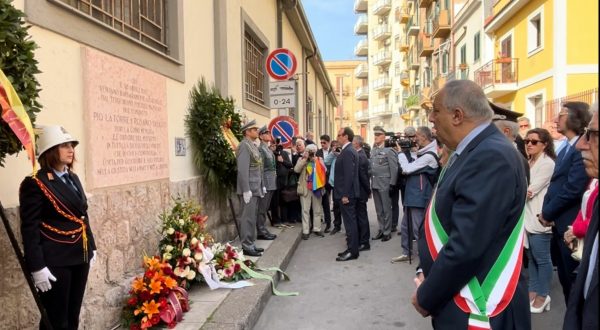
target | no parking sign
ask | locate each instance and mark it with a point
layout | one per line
(281, 64)
(285, 128)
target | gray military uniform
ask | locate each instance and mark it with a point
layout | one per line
(270, 182)
(384, 172)
(249, 178)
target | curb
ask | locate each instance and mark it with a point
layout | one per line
(242, 308)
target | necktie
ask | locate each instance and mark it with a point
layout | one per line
(563, 152)
(70, 183)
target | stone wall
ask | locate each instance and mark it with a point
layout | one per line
(125, 223)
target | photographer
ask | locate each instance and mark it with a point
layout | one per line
(279, 207)
(384, 167)
(311, 184)
(418, 187)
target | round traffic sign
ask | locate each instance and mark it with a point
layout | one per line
(281, 64)
(285, 128)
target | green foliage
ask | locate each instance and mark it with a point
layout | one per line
(411, 101)
(19, 65)
(207, 114)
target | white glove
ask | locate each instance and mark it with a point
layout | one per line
(247, 195)
(42, 279)
(264, 190)
(93, 260)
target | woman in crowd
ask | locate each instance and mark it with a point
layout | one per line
(57, 238)
(540, 150)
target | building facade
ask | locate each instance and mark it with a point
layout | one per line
(346, 77)
(127, 71)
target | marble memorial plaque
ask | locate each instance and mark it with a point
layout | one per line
(126, 121)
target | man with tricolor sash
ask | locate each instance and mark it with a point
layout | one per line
(471, 250)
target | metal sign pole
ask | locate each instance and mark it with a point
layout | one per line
(21, 259)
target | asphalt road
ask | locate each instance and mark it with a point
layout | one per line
(367, 293)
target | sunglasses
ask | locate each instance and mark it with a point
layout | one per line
(533, 142)
(589, 131)
(524, 126)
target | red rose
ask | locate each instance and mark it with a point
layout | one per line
(167, 271)
(145, 296)
(149, 274)
(237, 268)
(155, 319)
(132, 301)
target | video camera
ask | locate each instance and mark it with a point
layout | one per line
(402, 141)
(278, 147)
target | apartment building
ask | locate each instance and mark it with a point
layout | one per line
(346, 77)
(540, 54)
(138, 61)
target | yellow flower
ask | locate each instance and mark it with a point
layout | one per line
(152, 263)
(170, 282)
(150, 308)
(138, 285)
(155, 286)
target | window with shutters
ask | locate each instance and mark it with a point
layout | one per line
(254, 79)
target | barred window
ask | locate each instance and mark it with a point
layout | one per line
(143, 20)
(254, 82)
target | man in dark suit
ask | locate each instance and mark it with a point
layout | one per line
(364, 232)
(470, 221)
(582, 307)
(347, 190)
(563, 198)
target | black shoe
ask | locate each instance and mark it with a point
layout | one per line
(347, 256)
(379, 236)
(334, 231)
(327, 229)
(364, 247)
(252, 253)
(343, 252)
(386, 238)
(257, 249)
(266, 237)
(318, 233)
(394, 229)
(305, 236)
(399, 233)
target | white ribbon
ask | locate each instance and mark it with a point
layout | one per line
(210, 275)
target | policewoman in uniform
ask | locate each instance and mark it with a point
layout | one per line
(57, 238)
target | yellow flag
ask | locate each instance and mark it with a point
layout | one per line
(15, 115)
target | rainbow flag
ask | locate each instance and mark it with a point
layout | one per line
(16, 117)
(316, 174)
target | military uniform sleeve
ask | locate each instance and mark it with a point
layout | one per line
(31, 202)
(243, 167)
(393, 163)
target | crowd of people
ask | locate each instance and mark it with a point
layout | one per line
(482, 192)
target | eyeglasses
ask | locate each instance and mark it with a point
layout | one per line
(533, 142)
(589, 131)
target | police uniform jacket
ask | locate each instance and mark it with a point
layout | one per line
(249, 169)
(384, 167)
(270, 167)
(41, 222)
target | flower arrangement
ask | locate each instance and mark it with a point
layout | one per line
(227, 261)
(183, 230)
(155, 298)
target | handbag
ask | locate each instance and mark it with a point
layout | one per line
(577, 249)
(289, 194)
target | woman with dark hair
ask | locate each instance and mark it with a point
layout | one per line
(540, 150)
(57, 238)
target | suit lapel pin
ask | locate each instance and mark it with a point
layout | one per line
(50, 176)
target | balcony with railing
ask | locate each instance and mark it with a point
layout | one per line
(361, 6)
(362, 48)
(383, 57)
(381, 32)
(413, 25)
(405, 78)
(437, 83)
(498, 77)
(552, 107)
(425, 45)
(361, 71)
(441, 24)
(362, 25)
(362, 93)
(425, 3)
(382, 7)
(403, 14)
(461, 72)
(414, 61)
(380, 110)
(382, 84)
(425, 97)
(403, 44)
(362, 115)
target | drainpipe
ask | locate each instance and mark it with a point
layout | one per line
(306, 58)
(279, 23)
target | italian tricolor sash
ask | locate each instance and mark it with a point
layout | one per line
(488, 299)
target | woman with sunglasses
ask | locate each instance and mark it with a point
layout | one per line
(540, 151)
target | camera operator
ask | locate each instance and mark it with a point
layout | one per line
(282, 166)
(384, 170)
(418, 188)
(310, 189)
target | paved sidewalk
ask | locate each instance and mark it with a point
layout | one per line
(240, 308)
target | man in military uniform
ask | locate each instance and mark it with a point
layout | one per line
(250, 187)
(269, 181)
(384, 167)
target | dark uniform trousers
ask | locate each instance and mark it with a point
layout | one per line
(67, 291)
(350, 224)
